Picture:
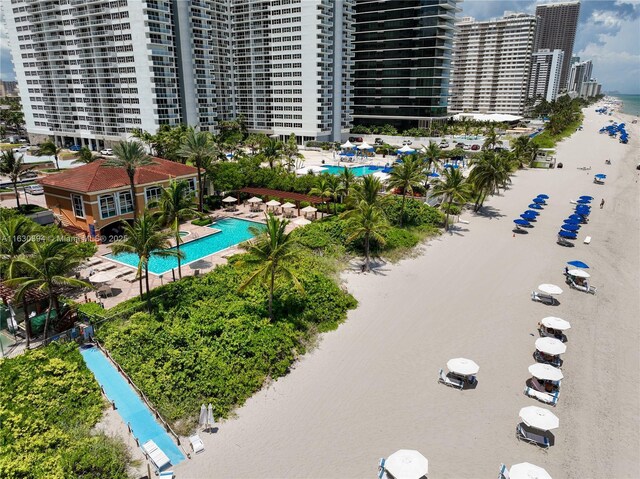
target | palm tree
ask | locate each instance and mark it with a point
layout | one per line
(255, 141)
(85, 156)
(453, 188)
(491, 139)
(489, 174)
(406, 175)
(272, 253)
(368, 190)
(12, 166)
(199, 149)
(145, 238)
(366, 221)
(291, 153)
(347, 180)
(129, 155)
(15, 240)
(49, 148)
(146, 138)
(175, 204)
(272, 151)
(325, 187)
(520, 149)
(46, 269)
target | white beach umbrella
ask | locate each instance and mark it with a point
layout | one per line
(273, 203)
(463, 366)
(302, 221)
(550, 346)
(230, 199)
(364, 146)
(309, 209)
(546, 372)
(210, 421)
(578, 273)
(407, 464)
(288, 205)
(104, 276)
(526, 470)
(254, 199)
(406, 149)
(202, 420)
(539, 418)
(348, 144)
(555, 323)
(550, 288)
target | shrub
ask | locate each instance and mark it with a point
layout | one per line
(90, 311)
(397, 238)
(202, 221)
(416, 213)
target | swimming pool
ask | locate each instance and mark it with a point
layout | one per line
(357, 170)
(129, 405)
(232, 232)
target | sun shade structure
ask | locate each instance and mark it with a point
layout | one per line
(545, 372)
(571, 221)
(202, 420)
(556, 323)
(347, 144)
(578, 264)
(309, 209)
(407, 464)
(550, 288)
(406, 149)
(539, 418)
(583, 202)
(230, 199)
(104, 276)
(283, 195)
(254, 199)
(578, 273)
(463, 366)
(364, 146)
(551, 346)
(600, 176)
(526, 470)
(273, 203)
(288, 205)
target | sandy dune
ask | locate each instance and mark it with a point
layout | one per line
(370, 387)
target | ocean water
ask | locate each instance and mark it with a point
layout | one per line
(631, 104)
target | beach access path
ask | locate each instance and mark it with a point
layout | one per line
(370, 388)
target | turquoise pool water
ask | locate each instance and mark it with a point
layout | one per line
(357, 170)
(129, 405)
(232, 232)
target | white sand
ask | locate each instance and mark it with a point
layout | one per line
(370, 388)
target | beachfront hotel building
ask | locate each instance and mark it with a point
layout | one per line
(90, 71)
(402, 61)
(556, 30)
(580, 72)
(491, 64)
(544, 79)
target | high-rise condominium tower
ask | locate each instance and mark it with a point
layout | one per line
(544, 80)
(402, 61)
(90, 71)
(580, 72)
(491, 64)
(557, 23)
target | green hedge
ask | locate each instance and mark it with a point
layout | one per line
(202, 221)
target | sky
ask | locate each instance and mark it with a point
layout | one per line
(608, 34)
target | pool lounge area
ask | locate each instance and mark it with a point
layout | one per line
(361, 170)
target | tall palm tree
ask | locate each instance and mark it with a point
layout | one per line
(255, 141)
(347, 180)
(291, 153)
(146, 138)
(272, 253)
(521, 150)
(12, 166)
(325, 187)
(175, 204)
(366, 221)
(452, 188)
(46, 269)
(272, 151)
(15, 240)
(490, 173)
(129, 155)
(200, 150)
(491, 139)
(85, 156)
(49, 148)
(432, 154)
(406, 176)
(145, 238)
(368, 190)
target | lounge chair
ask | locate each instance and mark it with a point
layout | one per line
(564, 242)
(532, 437)
(196, 443)
(449, 381)
(555, 361)
(543, 298)
(253, 215)
(166, 475)
(105, 291)
(156, 455)
(504, 472)
(381, 471)
(546, 398)
(104, 267)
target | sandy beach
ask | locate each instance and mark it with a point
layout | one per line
(370, 388)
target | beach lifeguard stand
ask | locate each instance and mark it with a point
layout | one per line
(545, 158)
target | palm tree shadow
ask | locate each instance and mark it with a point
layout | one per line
(488, 212)
(457, 230)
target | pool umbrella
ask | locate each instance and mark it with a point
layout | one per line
(210, 421)
(544, 197)
(551, 346)
(539, 201)
(255, 199)
(600, 176)
(546, 372)
(288, 205)
(532, 212)
(203, 416)
(200, 264)
(230, 199)
(567, 234)
(104, 276)
(535, 206)
(570, 227)
(309, 209)
(550, 288)
(407, 464)
(520, 222)
(556, 323)
(578, 264)
(586, 197)
(463, 366)
(539, 418)
(578, 273)
(525, 470)
(273, 203)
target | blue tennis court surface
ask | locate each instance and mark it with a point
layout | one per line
(130, 407)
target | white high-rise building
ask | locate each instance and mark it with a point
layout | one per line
(546, 69)
(491, 64)
(580, 73)
(91, 71)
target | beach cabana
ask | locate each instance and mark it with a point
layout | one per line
(525, 470)
(229, 202)
(309, 210)
(287, 209)
(273, 204)
(463, 368)
(255, 204)
(407, 464)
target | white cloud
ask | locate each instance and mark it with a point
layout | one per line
(608, 19)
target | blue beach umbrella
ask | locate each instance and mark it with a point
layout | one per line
(543, 196)
(535, 206)
(585, 197)
(520, 222)
(583, 202)
(539, 201)
(582, 211)
(567, 234)
(531, 212)
(571, 221)
(570, 227)
(578, 264)
(601, 176)
(575, 217)
(434, 175)
(527, 217)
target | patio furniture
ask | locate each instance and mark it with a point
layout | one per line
(104, 291)
(104, 267)
(554, 361)
(450, 381)
(551, 399)
(527, 435)
(166, 475)
(196, 443)
(156, 455)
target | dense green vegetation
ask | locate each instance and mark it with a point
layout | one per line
(49, 401)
